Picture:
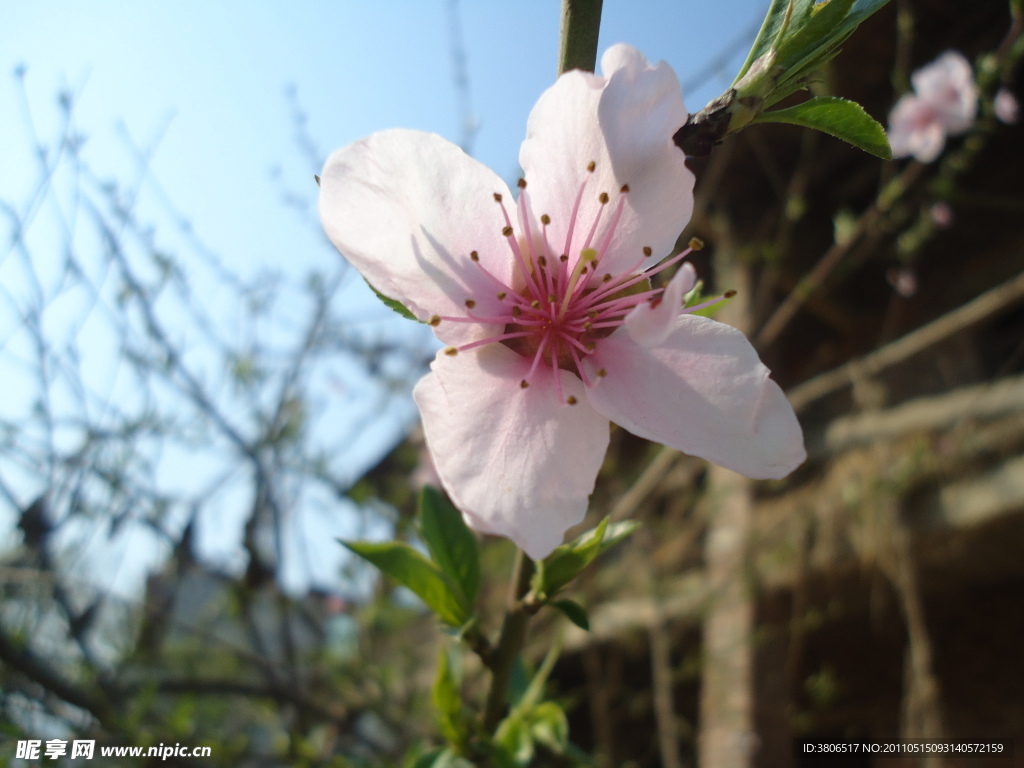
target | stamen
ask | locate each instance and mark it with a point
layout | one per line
(434, 320)
(615, 222)
(509, 234)
(451, 351)
(572, 217)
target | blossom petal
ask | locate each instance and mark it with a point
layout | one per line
(703, 391)
(518, 462)
(915, 129)
(947, 84)
(406, 208)
(623, 122)
(651, 323)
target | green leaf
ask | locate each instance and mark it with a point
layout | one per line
(535, 691)
(567, 561)
(837, 117)
(516, 740)
(451, 543)
(814, 32)
(518, 682)
(774, 24)
(550, 726)
(411, 569)
(574, 612)
(448, 702)
(442, 758)
(397, 306)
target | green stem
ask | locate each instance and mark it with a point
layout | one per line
(581, 23)
(510, 643)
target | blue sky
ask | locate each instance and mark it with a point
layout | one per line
(203, 85)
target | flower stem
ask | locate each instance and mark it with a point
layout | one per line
(581, 23)
(510, 643)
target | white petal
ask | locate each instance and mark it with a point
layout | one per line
(651, 325)
(948, 85)
(915, 129)
(517, 462)
(703, 391)
(623, 122)
(406, 208)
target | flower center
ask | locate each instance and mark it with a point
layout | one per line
(558, 309)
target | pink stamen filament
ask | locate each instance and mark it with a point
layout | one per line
(516, 251)
(560, 312)
(492, 339)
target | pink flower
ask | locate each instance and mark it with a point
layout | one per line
(944, 103)
(1006, 107)
(552, 325)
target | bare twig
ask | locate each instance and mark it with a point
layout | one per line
(988, 304)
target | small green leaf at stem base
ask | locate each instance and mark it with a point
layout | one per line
(452, 720)
(411, 569)
(837, 117)
(395, 305)
(452, 545)
(550, 727)
(574, 612)
(567, 561)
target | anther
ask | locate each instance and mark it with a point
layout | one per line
(524, 384)
(587, 325)
(506, 231)
(607, 278)
(535, 304)
(592, 314)
(624, 188)
(552, 298)
(516, 311)
(728, 294)
(564, 257)
(602, 372)
(591, 166)
(542, 261)
(451, 351)
(501, 295)
(696, 243)
(545, 219)
(521, 183)
(497, 197)
(603, 198)
(590, 346)
(470, 303)
(474, 256)
(571, 400)
(434, 320)
(647, 250)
